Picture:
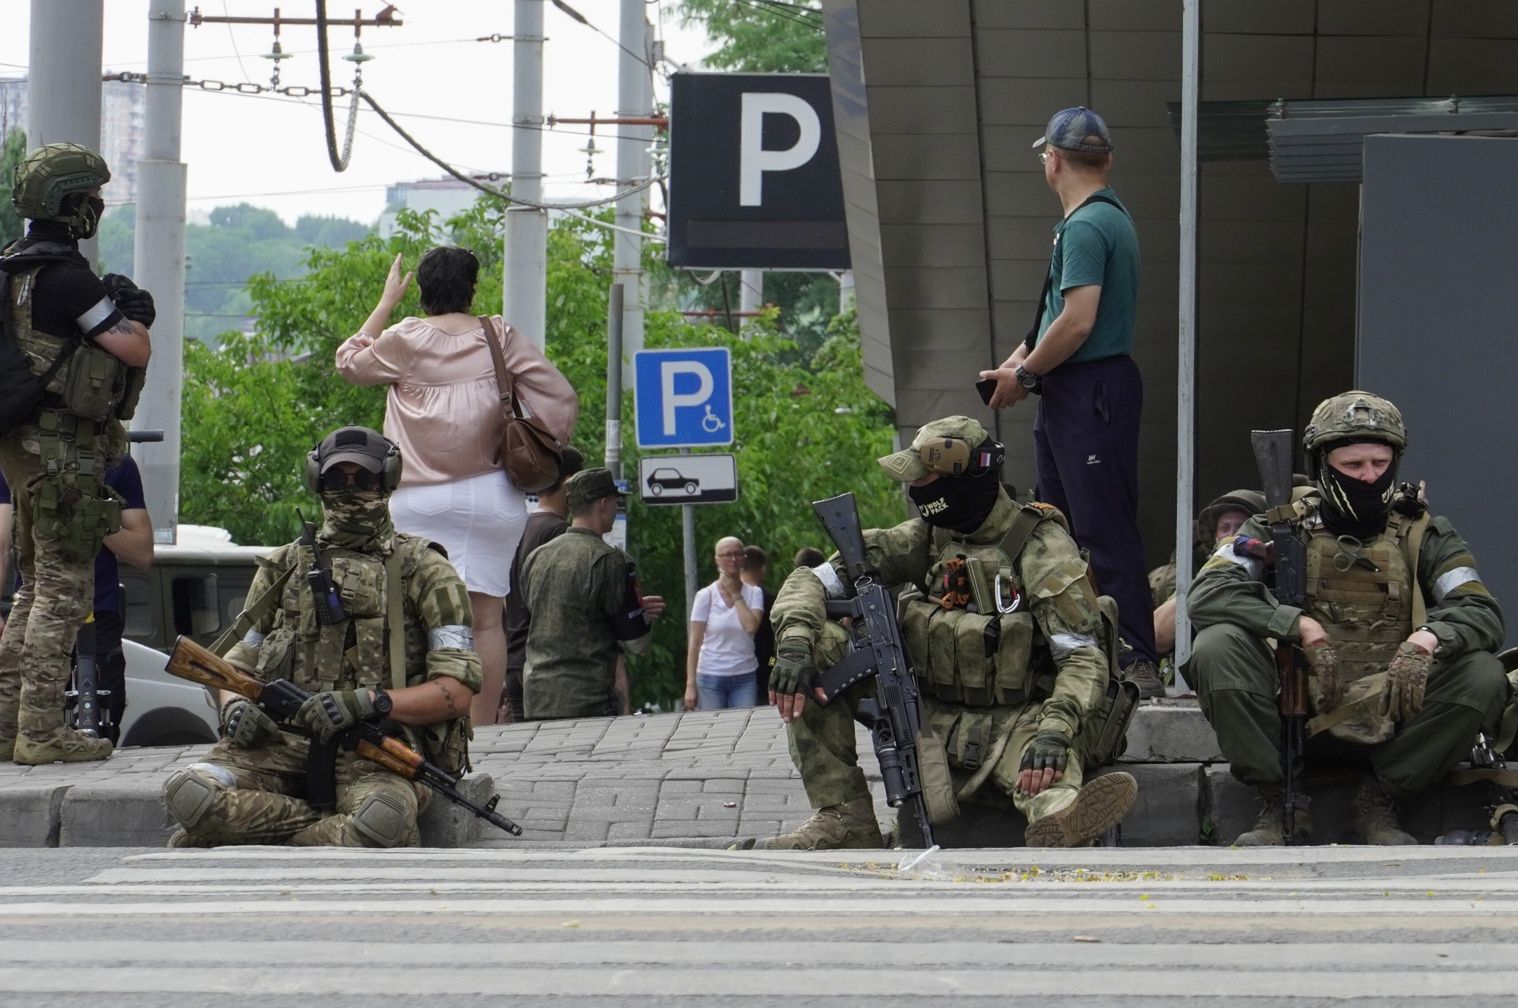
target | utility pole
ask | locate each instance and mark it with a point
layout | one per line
(63, 94)
(524, 287)
(634, 100)
(159, 253)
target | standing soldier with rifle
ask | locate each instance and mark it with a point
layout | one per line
(1004, 670)
(374, 624)
(1377, 607)
(73, 349)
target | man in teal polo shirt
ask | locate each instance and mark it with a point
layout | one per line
(1077, 357)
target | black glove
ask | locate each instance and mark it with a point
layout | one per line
(793, 670)
(246, 725)
(131, 300)
(1049, 750)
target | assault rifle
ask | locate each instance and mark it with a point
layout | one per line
(280, 700)
(1272, 453)
(1486, 766)
(894, 714)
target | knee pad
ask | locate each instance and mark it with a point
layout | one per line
(383, 820)
(192, 792)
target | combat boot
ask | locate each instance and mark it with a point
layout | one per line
(849, 826)
(64, 745)
(1146, 677)
(1375, 818)
(1270, 827)
(1100, 805)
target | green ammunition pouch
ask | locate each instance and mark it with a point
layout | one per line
(970, 658)
(1104, 732)
(93, 384)
(76, 511)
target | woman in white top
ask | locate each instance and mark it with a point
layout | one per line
(719, 661)
(443, 411)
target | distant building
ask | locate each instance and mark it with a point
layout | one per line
(121, 129)
(448, 196)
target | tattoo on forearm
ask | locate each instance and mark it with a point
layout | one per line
(453, 710)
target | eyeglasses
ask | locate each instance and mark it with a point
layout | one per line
(1043, 156)
(336, 479)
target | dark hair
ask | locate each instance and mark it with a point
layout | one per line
(446, 277)
(1088, 160)
(808, 556)
(570, 462)
(754, 558)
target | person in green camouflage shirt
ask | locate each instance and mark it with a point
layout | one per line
(250, 788)
(585, 609)
(1399, 632)
(1012, 708)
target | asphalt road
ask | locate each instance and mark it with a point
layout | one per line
(689, 927)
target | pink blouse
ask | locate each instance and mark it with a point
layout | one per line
(443, 409)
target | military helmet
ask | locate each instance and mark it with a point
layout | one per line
(1251, 502)
(52, 173)
(1352, 416)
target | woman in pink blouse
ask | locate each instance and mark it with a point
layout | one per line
(443, 410)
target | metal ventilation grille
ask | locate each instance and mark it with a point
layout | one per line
(1323, 140)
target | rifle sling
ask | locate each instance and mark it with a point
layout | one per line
(251, 615)
(395, 618)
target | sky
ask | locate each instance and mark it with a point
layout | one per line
(450, 91)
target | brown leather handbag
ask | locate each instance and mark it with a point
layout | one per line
(528, 452)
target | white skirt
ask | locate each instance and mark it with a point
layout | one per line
(478, 520)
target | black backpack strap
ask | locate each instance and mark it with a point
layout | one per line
(1043, 295)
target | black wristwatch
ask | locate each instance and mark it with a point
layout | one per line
(1027, 379)
(382, 704)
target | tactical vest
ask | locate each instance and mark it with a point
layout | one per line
(85, 380)
(1364, 598)
(972, 639)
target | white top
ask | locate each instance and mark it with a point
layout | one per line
(726, 650)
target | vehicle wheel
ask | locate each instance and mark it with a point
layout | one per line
(691, 487)
(656, 489)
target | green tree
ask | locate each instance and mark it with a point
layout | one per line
(12, 153)
(764, 36)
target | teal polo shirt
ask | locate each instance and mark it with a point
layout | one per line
(1097, 245)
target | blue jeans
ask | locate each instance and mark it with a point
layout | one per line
(714, 692)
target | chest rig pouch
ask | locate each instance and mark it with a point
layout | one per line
(1363, 596)
(86, 380)
(342, 655)
(971, 637)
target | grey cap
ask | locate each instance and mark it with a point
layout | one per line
(590, 485)
(363, 446)
(1077, 129)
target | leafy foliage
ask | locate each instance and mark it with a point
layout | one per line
(12, 153)
(807, 426)
(760, 36)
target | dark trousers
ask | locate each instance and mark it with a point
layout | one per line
(1085, 439)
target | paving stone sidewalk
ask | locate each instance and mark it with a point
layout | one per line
(693, 779)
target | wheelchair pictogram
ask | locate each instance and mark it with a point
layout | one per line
(711, 423)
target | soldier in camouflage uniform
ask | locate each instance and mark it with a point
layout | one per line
(402, 655)
(83, 344)
(1399, 632)
(1007, 691)
(1222, 518)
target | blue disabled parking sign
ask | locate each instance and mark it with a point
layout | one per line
(684, 397)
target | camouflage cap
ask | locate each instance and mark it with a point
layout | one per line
(590, 485)
(945, 446)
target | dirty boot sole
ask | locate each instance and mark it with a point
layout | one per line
(75, 749)
(1100, 805)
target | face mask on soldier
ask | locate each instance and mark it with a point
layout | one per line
(1352, 507)
(353, 516)
(959, 503)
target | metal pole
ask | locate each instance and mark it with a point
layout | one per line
(614, 381)
(688, 540)
(750, 292)
(63, 78)
(1185, 414)
(159, 254)
(526, 258)
(634, 98)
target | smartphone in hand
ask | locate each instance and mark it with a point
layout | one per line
(987, 388)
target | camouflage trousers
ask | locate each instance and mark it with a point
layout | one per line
(823, 747)
(56, 542)
(1235, 677)
(267, 804)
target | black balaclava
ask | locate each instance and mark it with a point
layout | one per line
(958, 503)
(1353, 507)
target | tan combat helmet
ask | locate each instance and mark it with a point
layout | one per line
(1352, 416)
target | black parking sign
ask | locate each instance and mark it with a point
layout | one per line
(754, 180)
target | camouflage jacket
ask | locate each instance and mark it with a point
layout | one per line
(1050, 572)
(1461, 611)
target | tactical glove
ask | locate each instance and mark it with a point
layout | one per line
(1323, 659)
(794, 670)
(326, 714)
(246, 726)
(1049, 750)
(131, 300)
(1406, 679)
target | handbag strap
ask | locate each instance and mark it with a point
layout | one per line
(503, 379)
